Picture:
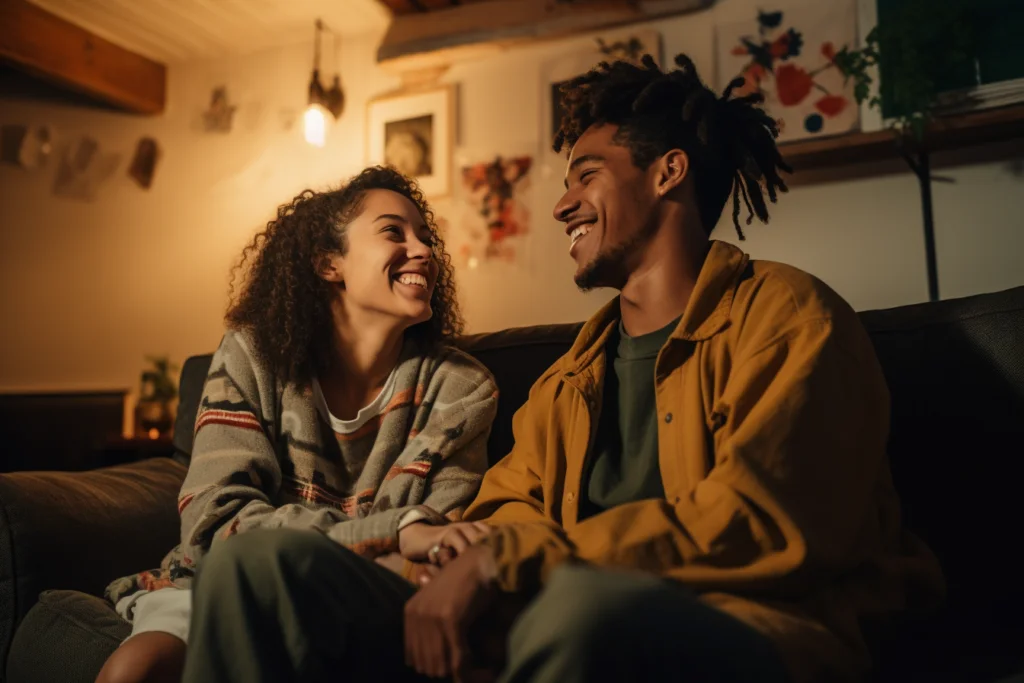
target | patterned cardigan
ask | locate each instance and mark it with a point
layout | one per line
(265, 458)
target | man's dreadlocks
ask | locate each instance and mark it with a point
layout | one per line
(730, 142)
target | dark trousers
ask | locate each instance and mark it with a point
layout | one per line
(277, 606)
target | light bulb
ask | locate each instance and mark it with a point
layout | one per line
(315, 125)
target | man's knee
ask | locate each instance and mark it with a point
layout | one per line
(616, 625)
(583, 608)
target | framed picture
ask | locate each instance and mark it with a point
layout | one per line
(622, 45)
(787, 55)
(415, 134)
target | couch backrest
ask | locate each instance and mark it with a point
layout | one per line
(515, 356)
(955, 370)
(190, 392)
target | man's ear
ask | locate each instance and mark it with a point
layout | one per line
(328, 268)
(672, 169)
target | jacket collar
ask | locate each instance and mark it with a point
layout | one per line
(706, 314)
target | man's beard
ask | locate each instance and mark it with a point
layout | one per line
(611, 268)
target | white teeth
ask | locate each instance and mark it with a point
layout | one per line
(578, 232)
(414, 279)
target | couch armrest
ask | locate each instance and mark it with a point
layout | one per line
(81, 530)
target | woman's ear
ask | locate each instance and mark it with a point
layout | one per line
(329, 268)
(673, 167)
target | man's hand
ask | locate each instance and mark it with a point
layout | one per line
(438, 616)
(416, 541)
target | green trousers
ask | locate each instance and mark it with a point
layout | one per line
(279, 606)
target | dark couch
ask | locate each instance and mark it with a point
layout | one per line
(956, 372)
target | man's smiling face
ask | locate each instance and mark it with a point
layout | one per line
(608, 209)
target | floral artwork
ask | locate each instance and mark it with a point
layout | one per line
(494, 191)
(789, 56)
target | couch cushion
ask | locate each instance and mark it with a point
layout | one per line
(66, 529)
(66, 636)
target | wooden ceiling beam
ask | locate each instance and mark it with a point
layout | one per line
(400, 7)
(397, 7)
(423, 40)
(435, 5)
(47, 46)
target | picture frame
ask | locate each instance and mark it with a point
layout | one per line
(609, 46)
(415, 133)
(786, 53)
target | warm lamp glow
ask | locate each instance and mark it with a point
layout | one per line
(315, 125)
(154, 433)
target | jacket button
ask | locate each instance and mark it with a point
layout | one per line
(570, 496)
(668, 417)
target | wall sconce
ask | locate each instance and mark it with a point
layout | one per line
(321, 102)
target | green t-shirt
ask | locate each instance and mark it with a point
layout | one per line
(623, 463)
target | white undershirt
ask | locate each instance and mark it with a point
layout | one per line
(365, 414)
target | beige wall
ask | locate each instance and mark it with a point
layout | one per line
(89, 288)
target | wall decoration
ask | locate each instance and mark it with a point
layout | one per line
(147, 154)
(494, 191)
(789, 56)
(83, 168)
(628, 49)
(286, 117)
(219, 117)
(622, 46)
(415, 133)
(25, 146)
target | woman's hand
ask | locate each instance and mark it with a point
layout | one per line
(420, 573)
(439, 544)
(392, 561)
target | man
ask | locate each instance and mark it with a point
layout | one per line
(721, 424)
(698, 490)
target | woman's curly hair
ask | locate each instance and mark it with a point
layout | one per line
(286, 306)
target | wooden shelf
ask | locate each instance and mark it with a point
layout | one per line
(858, 155)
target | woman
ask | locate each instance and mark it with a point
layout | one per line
(333, 404)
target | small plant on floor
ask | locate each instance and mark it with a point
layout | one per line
(158, 382)
(155, 410)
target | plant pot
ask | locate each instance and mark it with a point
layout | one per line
(154, 418)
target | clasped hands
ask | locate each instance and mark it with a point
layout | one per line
(439, 545)
(438, 617)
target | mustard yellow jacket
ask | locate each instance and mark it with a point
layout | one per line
(779, 507)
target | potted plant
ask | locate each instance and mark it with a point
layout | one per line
(921, 48)
(157, 398)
